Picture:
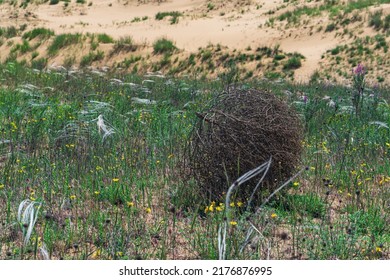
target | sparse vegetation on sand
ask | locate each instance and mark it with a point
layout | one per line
(91, 169)
(62, 41)
(174, 16)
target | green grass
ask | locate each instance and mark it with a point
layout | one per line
(334, 8)
(124, 44)
(105, 39)
(293, 62)
(62, 41)
(174, 16)
(41, 32)
(127, 187)
(163, 45)
(91, 57)
(8, 32)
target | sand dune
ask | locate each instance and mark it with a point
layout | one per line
(235, 24)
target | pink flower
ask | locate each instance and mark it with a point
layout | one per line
(360, 70)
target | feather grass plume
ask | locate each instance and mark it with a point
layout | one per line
(27, 216)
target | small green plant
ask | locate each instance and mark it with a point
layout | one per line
(80, 1)
(163, 45)
(210, 6)
(54, 2)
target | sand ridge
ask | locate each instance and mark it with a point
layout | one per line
(237, 24)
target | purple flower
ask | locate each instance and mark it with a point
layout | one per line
(360, 70)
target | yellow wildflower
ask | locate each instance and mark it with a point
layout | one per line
(274, 215)
(148, 210)
(378, 249)
(115, 180)
(240, 204)
(97, 193)
(130, 204)
(72, 197)
(233, 223)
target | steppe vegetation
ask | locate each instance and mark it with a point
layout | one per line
(93, 162)
(95, 130)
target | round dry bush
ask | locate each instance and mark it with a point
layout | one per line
(241, 131)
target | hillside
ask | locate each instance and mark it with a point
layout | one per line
(298, 40)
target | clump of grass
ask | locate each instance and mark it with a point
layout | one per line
(63, 40)
(330, 27)
(54, 2)
(163, 45)
(375, 20)
(8, 32)
(105, 38)
(91, 57)
(293, 62)
(41, 32)
(173, 15)
(23, 48)
(124, 44)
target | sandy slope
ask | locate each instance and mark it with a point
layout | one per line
(236, 24)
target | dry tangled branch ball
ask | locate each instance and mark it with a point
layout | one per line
(242, 130)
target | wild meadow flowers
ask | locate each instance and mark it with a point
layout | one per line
(124, 197)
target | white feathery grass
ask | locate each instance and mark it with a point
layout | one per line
(143, 101)
(380, 124)
(43, 252)
(154, 75)
(27, 215)
(103, 128)
(148, 81)
(222, 231)
(116, 81)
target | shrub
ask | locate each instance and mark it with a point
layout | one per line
(240, 131)
(163, 46)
